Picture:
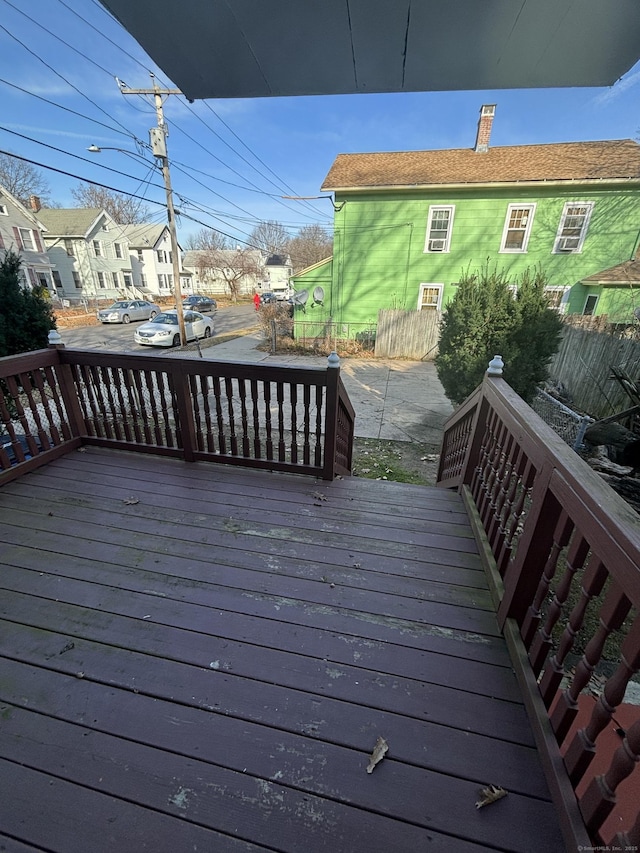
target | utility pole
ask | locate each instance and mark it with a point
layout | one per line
(158, 139)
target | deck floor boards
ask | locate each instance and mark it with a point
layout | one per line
(196, 657)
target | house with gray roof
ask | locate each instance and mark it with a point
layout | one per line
(152, 260)
(22, 233)
(90, 252)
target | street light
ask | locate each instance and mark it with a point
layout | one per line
(160, 152)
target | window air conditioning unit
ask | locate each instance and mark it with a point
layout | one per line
(436, 245)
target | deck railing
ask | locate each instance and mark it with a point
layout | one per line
(562, 550)
(277, 418)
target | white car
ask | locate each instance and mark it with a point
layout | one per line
(163, 330)
(127, 310)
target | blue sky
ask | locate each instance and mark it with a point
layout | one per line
(232, 161)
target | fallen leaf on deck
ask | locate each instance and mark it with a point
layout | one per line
(379, 752)
(319, 496)
(490, 794)
(131, 501)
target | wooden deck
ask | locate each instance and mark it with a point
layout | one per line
(196, 657)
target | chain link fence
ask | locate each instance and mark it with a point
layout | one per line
(569, 425)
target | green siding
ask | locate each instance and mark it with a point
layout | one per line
(379, 240)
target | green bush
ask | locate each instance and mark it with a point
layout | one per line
(26, 316)
(484, 319)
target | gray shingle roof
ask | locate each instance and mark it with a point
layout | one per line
(68, 222)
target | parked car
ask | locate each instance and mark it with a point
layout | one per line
(267, 298)
(127, 310)
(163, 330)
(200, 303)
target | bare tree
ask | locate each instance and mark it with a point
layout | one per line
(311, 244)
(271, 237)
(124, 209)
(231, 266)
(22, 180)
(205, 240)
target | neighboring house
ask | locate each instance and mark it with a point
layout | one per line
(407, 224)
(21, 232)
(90, 252)
(220, 272)
(152, 260)
(277, 274)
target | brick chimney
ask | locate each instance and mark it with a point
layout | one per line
(34, 203)
(487, 112)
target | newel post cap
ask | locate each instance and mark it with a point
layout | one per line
(333, 360)
(495, 366)
(54, 338)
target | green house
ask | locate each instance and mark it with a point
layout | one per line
(408, 223)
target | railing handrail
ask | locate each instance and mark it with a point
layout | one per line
(551, 528)
(104, 398)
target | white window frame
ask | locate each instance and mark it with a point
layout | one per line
(440, 244)
(97, 249)
(563, 243)
(128, 279)
(102, 285)
(563, 302)
(4, 211)
(116, 279)
(595, 304)
(118, 251)
(526, 231)
(28, 234)
(430, 286)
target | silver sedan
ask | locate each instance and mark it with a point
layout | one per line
(127, 310)
(163, 330)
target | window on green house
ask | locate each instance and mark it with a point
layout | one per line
(573, 226)
(430, 297)
(590, 304)
(517, 227)
(558, 298)
(439, 229)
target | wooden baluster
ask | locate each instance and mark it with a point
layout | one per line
(600, 797)
(144, 405)
(592, 585)
(85, 397)
(233, 438)
(318, 431)
(14, 391)
(281, 443)
(306, 431)
(203, 394)
(541, 644)
(488, 457)
(56, 396)
(26, 380)
(266, 385)
(561, 536)
(106, 380)
(118, 378)
(522, 489)
(500, 492)
(197, 394)
(9, 428)
(257, 444)
(242, 391)
(293, 400)
(582, 748)
(38, 377)
(217, 391)
(164, 432)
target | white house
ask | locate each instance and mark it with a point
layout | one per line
(225, 271)
(277, 273)
(152, 260)
(90, 252)
(21, 231)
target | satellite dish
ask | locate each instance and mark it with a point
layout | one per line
(301, 297)
(318, 295)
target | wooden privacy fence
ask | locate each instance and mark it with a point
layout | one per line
(408, 334)
(583, 364)
(562, 552)
(279, 418)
